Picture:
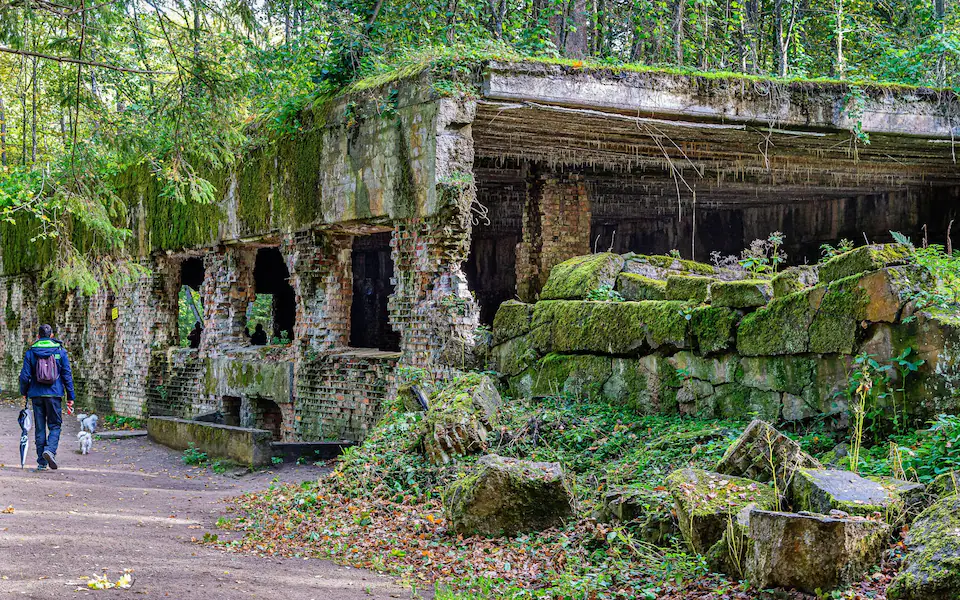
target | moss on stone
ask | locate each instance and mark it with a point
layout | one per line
(598, 327)
(688, 288)
(823, 490)
(793, 280)
(781, 327)
(834, 327)
(513, 356)
(716, 370)
(637, 287)
(512, 320)
(931, 568)
(747, 293)
(791, 374)
(736, 401)
(672, 263)
(576, 375)
(574, 279)
(712, 328)
(864, 259)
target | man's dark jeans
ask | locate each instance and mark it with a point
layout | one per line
(46, 414)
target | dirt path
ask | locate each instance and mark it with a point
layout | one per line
(131, 504)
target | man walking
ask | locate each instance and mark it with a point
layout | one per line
(44, 377)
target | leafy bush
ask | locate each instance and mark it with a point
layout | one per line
(605, 293)
(194, 456)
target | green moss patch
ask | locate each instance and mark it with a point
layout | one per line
(790, 374)
(931, 569)
(575, 278)
(574, 375)
(864, 259)
(512, 320)
(835, 325)
(688, 288)
(793, 280)
(779, 328)
(741, 294)
(671, 263)
(712, 328)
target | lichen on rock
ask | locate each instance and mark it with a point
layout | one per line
(747, 293)
(931, 568)
(512, 320)
(688, 288)
(460, 417)
(864, 259)
(638, 287)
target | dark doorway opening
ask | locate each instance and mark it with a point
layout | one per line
(189, 305)
(270, 276)
(267, 415)
(491, 267)
(372, 286)
(231, 411)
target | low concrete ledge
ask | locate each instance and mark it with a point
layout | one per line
(246, 446)
(311, 451)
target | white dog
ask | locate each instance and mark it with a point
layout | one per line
(86, 441)
(88, 422)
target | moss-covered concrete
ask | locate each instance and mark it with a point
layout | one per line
(512, 320)
(713, 328)
(778, 373)
(574, 279)
(688, 288)
(577, 376)
(249, 447)
(748, 293)
(637, 287)
(931, 568)
(781, 327)
(835, 325)
(864, 259)
(793, 279)
(822, 490)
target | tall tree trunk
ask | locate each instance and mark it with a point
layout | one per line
(196, 30)
(576, 28)
(704, 50)
(940, 11)
(678, 6)
(3, 133)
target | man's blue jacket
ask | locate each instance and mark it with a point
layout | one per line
(45, 347)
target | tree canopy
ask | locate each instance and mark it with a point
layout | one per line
(91, 88)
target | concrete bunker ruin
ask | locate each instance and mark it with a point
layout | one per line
(387, 236)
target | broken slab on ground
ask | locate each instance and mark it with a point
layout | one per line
(507, 496)
(812, 553)
(764, 454)
(823, 490)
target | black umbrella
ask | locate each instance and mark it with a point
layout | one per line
(25, 422)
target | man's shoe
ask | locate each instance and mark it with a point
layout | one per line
(51, 459)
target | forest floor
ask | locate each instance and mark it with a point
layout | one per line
(132, 504)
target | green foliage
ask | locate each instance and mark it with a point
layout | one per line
(827, 251)
(764, 257)
(604, 293)
(186, 318)
(118, 422)
(194, 456)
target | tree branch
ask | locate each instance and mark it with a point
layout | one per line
(65, 59)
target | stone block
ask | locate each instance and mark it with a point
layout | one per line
(507, 496)
(794, 279)
(931, 568)
(864, 259)
(596, 327)
(737, 401)
(810, 553)
(747, 293)
(716, 370)
(512, 320)
(823, 490)
(658, 266)
(706, 502)
(575, 375)
(781, 327)
(513, 356)
(638, 287)
(688, 288)
(251, 447)
(778, 373)
(713, 328)
(945, 484)
(764, 454)
(574, 279)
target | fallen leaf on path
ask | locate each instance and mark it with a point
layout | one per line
(8, 510)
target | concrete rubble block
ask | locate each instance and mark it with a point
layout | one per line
(779, 373)
(764, 454)
(574, 279)
(716, 369)
(513, 356)
(735, 401)
(780, 327)
(696, 397)
(794, 279)
(912, 494)
(576, 375)
(596, 327)
(659, 266)
(747, 293)
(651, 511)
(812, 552)
(507, 496)
(461, 416)
(706, 502)
(247, 446)
(822, 490)
(935, 388)
(638, 287)
(512, 320)
(931, 568)
(864, 259)
(689, 288)
(713, 328)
